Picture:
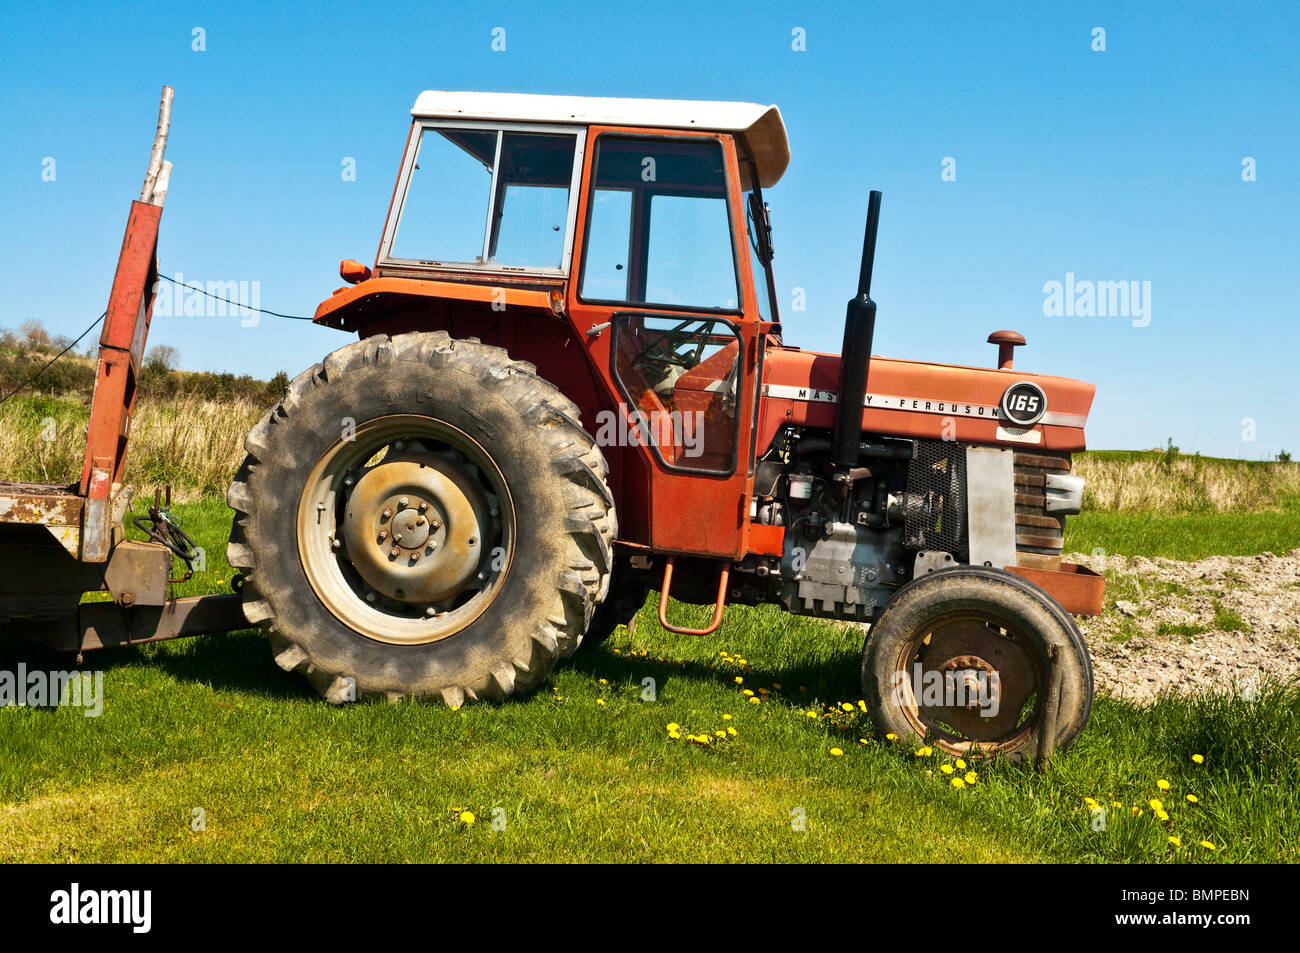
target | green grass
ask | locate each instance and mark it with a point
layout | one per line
(1186, 536)
(211, 723)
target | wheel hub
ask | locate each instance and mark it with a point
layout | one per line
(991, 676)
(413, 526)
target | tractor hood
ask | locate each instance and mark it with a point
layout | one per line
(923, 400)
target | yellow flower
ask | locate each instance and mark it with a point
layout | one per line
(731, 731)
(812, 714)
(673, 726)
(836, 752)
(467, 818)
(756, 701)
(1198, 758)
(777, 686)
(1162, 784)
(748, 693)
(1193, 798)
(1175, 841)
(924, 752)
(862, 741)
(946, 768)
(862, 705)
(961, 765)
(726, 718)
(971, 777)
(1208, 846)
(1162, 816)
(600, 701)
(1091, 802)
(846, 706)
(739, 680)
(720, 733)
(1156, 804)
(958, 783)
(675, 735)
(891, 737)
(604, 681)
(702, 739)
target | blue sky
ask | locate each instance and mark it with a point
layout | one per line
(1122, 165)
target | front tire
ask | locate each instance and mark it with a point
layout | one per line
(422, 516)
(964, 658)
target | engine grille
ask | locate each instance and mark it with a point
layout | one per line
(1039, 536)
(936, 497)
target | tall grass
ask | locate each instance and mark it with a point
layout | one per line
(191, 443)
(1165, 483)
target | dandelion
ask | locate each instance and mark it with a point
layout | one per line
(1208, 846)
(946, 768)
(739, 680)
(1161, 816)
(862, 706)
(756, 701)
(971, 777)
(1192, 798)
(961, 765)
(731, 731)
(720, 733)
(726, 718)
(747, 693)
(1198, 758)
(958, 783)
(812, 714)
(1162, 784)
(604, 681)
(675, 735)
(862, 741)
(600, 701)
(846, 706)
(1175, 841)
(467, 818)
(891, 737)
(836, 752)
(673, 726)
(1156, 804)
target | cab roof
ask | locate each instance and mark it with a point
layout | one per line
(761, 127)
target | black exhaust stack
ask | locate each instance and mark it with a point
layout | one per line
(855, 355)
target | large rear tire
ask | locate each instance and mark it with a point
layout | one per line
(965, 658)
(422, 516)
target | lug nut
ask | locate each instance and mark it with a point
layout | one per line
(383, 535)
(393, 552)
(397, 537)
(335, 544)
(387, 513)
(402, 502)
(415, 557)
(423, 507)
(431, 612)
(370, 597)
(434, 525)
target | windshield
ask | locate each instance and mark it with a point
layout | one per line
(488, 198)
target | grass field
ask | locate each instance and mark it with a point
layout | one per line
(583, 769)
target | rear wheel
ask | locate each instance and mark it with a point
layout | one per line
(422, 516)
(966, 659)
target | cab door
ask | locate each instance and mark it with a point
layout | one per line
(662, 295)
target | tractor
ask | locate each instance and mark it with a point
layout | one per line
(571, 388)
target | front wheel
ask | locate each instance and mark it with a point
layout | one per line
(975, 660)
(422, 516)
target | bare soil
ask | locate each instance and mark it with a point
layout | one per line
(1225, 623)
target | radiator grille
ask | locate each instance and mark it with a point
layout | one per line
(936, 497)
(1039, 536)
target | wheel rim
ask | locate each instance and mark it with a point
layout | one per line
(970, 682)
(406, 530)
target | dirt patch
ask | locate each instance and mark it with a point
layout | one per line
(1216, 624)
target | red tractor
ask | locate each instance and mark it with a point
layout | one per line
(571, 388)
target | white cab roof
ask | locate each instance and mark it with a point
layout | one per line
(760, 126)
